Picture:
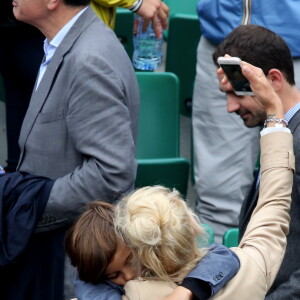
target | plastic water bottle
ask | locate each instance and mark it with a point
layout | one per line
(147, 53)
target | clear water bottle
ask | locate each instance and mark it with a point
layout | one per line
(147, 53)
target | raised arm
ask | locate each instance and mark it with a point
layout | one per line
(263, 245)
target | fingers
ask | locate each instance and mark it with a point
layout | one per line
(253, 74)
(163, 14)
(263, 89)
(146, 23)
(149, 8)
(156, 24)
(224, 84)
(158, 12)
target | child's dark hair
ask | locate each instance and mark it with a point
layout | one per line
(92, 242)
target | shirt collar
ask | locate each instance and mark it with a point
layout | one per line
(50, 47)
(291, 112)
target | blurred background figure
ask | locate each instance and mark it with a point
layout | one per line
(21, 53)
(225, 151)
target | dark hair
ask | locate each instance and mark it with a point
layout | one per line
(91, 242)
(258, 46)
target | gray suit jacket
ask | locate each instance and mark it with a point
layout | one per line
(81, 125)
(286, 285)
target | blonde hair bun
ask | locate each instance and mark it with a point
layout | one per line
(157, 223)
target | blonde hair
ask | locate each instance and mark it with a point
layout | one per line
(158, 225)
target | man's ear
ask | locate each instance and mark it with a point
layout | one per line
(52, 4)
(276, 78)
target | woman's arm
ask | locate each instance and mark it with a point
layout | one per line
(262, 247)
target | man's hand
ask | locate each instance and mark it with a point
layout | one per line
(263, 90)
(180, 293)
(260, 85)
(158, 12)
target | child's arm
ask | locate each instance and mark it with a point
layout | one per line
(209, 275)
(102, 291)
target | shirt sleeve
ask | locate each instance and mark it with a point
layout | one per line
(103, 291)
(212, 272)
(268, 130)
(200, 289)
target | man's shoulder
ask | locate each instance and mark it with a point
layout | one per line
(89, 30)
(294, 124)
(94, 37)
(91, 41)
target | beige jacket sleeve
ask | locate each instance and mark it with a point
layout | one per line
(147, 289)
(263, 246)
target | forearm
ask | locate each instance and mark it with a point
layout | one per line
(269, 223)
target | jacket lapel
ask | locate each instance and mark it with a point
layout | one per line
(295, 121)
(39, 96)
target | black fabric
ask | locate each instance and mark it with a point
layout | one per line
(21, 53)
(24, 255)
(7, 17)
(199, 288)
(248, 206)
(6, 12)
(23, 198)
(38, 274)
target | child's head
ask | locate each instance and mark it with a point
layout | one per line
(95, 249)
(161, 229)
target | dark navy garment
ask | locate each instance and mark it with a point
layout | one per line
(23, 198)
(205, 280)
(24, 255)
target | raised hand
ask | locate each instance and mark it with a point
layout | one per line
(157, 12)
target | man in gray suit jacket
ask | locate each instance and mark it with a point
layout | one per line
(267, 50)
(81, 125)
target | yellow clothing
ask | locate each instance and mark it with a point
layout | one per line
(106, 9)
